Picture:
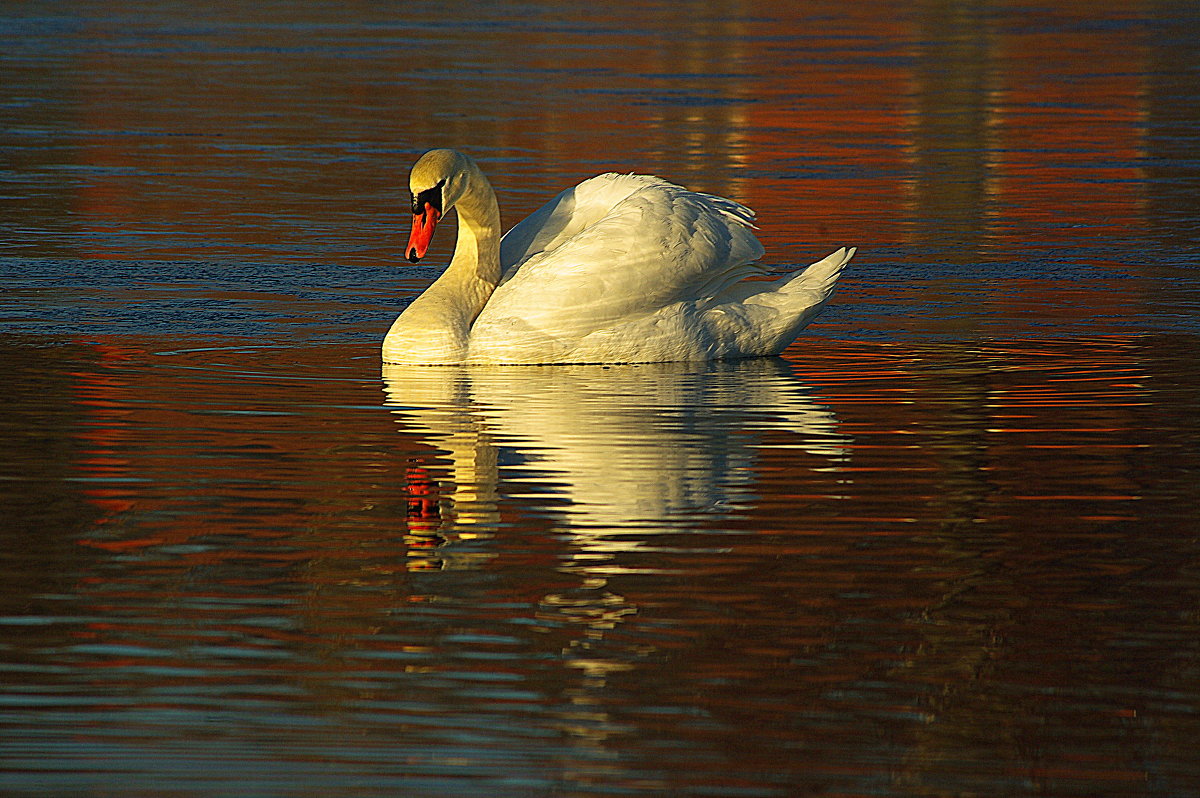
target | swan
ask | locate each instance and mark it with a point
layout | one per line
(618, 269)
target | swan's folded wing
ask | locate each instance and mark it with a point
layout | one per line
(568, 214)
(657, 246)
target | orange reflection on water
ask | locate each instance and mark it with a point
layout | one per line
(974, 427)
(909, 565)
(944, 124)
(889, 540)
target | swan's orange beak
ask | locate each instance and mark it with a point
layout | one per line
(424, 223)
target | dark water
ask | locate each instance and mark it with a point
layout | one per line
(948, 545)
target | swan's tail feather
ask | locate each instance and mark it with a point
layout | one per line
(794, 302)
(821, 276)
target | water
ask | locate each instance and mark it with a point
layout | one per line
(946, 545)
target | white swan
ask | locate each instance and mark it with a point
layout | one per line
(618, 269)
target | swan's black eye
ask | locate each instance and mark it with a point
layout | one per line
(433, 196)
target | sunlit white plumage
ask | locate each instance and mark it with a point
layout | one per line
(619, 269)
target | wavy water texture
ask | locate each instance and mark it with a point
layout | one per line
(944, 546)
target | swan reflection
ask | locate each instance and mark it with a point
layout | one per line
(609, 456)
(600, 449)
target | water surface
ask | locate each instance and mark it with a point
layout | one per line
(946, 545)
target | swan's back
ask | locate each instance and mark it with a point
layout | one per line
(613, 250)
(576, 209)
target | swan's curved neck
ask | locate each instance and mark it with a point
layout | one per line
(477, 251)
(436, 327)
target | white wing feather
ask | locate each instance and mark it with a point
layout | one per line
(610, 252)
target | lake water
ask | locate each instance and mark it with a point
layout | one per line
(949, 544)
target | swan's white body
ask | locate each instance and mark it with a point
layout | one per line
(619, 269)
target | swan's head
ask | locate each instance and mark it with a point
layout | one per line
(437, 181)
